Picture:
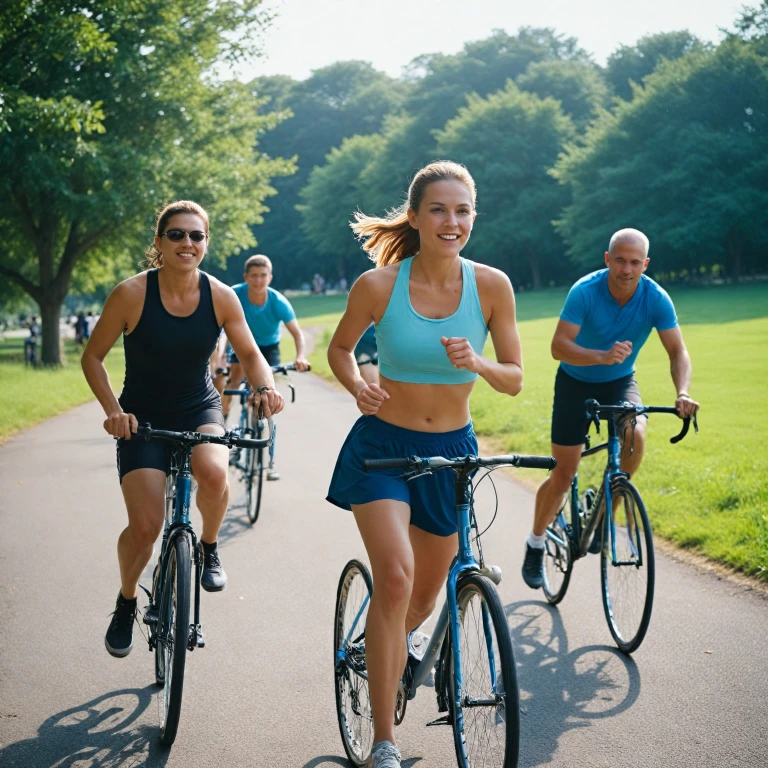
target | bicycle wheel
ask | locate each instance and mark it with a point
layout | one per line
(173, 635)
(558, 562)
(486, 712)
(353, 705)
(628, 585)
(254, 476)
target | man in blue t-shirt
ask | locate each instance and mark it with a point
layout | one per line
(607, 317)
(265, 309)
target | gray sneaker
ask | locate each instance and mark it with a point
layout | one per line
(385, 755)
(273, 474)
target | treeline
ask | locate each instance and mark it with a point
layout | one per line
(671, 137)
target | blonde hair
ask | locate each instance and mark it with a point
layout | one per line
(391, 239)
(257, 261)
(153, 257)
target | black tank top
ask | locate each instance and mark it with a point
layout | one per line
(166, 358)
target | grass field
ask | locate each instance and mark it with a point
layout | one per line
(708, 493)
(29, 396)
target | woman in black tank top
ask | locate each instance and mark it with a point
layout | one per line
(170, 318)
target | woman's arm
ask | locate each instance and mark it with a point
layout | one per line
(113, 321)
(505, 374)
(357, 317)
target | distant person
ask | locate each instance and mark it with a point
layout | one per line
(607, 317)
(81, 329)
(265, 309)
(170, 317)
(30, 343)
(90, 322)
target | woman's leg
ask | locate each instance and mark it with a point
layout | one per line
(209, 466)
(432, 557)
(144, 494)
(384, 527)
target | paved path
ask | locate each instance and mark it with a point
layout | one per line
(261, 693)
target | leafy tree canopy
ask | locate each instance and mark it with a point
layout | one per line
(109, 109)
(686, 162)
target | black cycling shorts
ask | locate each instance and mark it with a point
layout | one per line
(138, 453)
(569, 416)
(271, 354)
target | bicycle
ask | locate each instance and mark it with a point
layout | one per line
(252, 464)
(627, 563)
(470, 648)
(170, 634)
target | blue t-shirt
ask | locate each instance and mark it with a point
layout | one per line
(264, 321)
(603, 321)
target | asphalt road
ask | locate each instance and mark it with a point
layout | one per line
(261, 693)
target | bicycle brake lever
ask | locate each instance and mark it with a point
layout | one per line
(408, 476)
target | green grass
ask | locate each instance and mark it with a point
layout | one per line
(708, 493)
(29, 396)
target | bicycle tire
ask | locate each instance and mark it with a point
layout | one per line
(628, 620)
(353, 704)
(254, 476)
(173, 634)
(558, 560)
(486, 734)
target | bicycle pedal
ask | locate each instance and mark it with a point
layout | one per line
(444, 720)
(196, 638)
(151, 616)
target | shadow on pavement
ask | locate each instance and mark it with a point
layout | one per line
(561, 689)
(101, 733)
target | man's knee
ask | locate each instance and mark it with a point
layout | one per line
(145, 532)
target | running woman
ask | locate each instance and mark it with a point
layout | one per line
(432, 310)
(170, 317)
(265, 309)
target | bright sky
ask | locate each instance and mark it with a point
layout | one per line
(309, 34)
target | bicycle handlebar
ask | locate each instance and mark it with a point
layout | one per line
(420, 464)
(196, 438)
(594, 409)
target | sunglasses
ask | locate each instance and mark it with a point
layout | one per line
(177, 235)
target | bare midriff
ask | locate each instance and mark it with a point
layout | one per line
(426, 407)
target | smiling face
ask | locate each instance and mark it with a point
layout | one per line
(258, 279)
(444, 218)
(626, 265)
(184, 255)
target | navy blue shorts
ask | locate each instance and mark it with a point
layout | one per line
(569, 415)
(432, 498)
(271, 354)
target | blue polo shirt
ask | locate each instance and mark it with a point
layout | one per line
(603, 321)
(264, 321)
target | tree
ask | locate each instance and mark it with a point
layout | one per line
(632, 63)
(686, 162)
(344, 99)
(440, 85)
(509, 141)
(331, 197)
(109, 109)
(578, 86)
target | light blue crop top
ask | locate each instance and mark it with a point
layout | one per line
(409, 344)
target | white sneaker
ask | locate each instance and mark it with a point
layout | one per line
(273, 474)
(385, 755)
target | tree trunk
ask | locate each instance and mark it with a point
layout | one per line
(533, 262)
(50, 311)
(734, 248)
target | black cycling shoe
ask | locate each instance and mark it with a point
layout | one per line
(119, 638)
(533, 566)
(596, 545)
(213, 579)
